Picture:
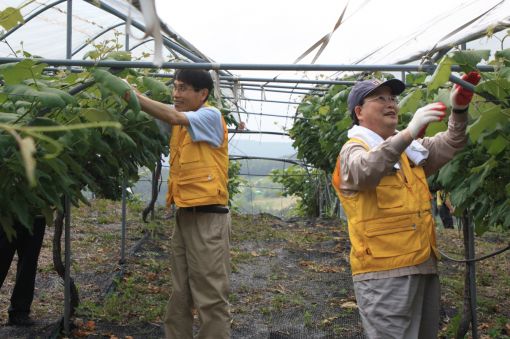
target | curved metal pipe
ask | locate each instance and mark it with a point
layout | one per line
(97, 36)
(166, 41)
(30, 17)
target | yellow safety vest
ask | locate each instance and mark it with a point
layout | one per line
(198, 171)
(390, 226)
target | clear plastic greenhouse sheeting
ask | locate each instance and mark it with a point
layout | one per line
(478, 16)
(404, 29)
(375, 32)
(372, 32)
(45, 34)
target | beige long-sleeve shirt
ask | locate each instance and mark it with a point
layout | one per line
(361, 169)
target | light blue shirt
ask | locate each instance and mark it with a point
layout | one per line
(205, 124)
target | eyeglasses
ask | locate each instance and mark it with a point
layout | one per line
(385, 99)
(182, 88)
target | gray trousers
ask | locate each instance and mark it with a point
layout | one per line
(200, 276)
(404, 307)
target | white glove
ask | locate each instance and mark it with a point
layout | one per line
(424, 116)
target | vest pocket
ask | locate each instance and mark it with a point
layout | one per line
(392, 238)
(189, 153)
(201, 183)
(389, 192)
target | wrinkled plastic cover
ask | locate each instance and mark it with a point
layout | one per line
(45, 34)
(384, 32)
(394, 38)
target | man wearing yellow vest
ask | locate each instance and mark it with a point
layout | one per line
(380, 178)
(198, 186)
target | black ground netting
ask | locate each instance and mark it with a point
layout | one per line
(320, 316)
(298, 292)
(295, 283)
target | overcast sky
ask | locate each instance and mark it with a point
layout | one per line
(279, 31)
(269, 31)
(274, 31)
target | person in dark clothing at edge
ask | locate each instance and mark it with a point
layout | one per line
(380, 179)
(197, 185)
(445, 208)
(27, 244)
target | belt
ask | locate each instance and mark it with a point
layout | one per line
(207, 209)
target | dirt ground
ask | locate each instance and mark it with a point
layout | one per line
(290, 279)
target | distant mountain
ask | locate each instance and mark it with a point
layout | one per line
(272, 149)
(267, 149)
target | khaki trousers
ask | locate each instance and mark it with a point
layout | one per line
(403, 307)
(200, 276)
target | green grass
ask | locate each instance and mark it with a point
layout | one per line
(126, 305)
(500, 329)
(453, 283)
(246, 228)
(307, 318)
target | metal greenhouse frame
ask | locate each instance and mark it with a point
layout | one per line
(191, 57)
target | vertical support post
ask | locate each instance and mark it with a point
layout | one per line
(126, 43)
(69, 31)
(123, 227)
(67, 220)
(154, 184)
(327, 205)
(67, 273)
(472, 280)
(319, 195)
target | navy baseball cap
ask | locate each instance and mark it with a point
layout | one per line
(363, 88)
